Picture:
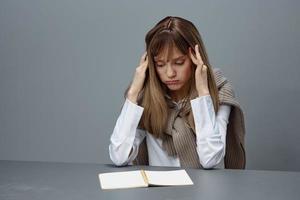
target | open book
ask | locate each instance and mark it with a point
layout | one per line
(143, 178)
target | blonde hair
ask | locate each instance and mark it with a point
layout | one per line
(168, 32)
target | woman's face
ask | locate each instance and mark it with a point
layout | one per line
(176, 72)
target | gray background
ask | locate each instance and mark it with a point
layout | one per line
(64, 66)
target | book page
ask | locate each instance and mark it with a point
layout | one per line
(168, 178)
(118, 180)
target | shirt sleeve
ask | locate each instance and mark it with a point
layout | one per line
(210, 130)
(126, 136)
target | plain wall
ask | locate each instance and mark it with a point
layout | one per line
(64, 66)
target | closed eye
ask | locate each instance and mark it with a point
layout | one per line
(176, 63)
(179, 63)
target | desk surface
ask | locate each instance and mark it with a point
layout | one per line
(46, 180)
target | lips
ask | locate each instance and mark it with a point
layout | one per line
(172, 82)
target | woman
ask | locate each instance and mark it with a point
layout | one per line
(178, 111)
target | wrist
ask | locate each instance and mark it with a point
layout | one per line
(203, 92)
(132, 97)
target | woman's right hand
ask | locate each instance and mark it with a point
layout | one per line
(138, 79)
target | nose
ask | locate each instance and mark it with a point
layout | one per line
(170, 71)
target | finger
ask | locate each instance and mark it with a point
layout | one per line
(143, 57)
(145, 62)
(204, 68)
(198, 54)
(192, 56)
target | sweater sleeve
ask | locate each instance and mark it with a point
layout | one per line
(126, 137)
(210, 130)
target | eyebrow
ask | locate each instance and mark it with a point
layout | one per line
(182, 56)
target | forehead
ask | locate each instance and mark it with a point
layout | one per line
(168, 53)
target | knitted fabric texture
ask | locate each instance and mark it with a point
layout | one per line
(179, 139)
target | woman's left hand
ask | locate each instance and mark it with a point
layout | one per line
(200, 73)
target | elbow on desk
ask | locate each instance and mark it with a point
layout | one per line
(208, 165)
(211, 161)
(116, 159)
(118, 162)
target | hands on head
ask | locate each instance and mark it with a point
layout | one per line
(140, 75)
(200, 73)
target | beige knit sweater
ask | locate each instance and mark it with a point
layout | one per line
(184, 144)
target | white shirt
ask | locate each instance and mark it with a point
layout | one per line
(210, 135)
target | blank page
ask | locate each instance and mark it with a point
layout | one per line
(127, 179)
(165, 178)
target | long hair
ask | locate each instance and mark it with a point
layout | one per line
(165, 34)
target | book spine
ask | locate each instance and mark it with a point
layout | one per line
(144, 176)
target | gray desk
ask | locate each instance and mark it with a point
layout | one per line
(42, 180)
